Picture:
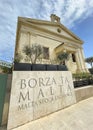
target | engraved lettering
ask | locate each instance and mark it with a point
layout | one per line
(40, 93)
(24, 97)
(23, 83)
(41, 82)
(32, 83)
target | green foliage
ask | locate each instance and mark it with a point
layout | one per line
(80, 76)
(17, 58)
(6, 70)
(33, 52)
(90, 61)
(91, 70)
(62, 57)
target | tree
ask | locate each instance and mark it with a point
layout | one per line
(62, 57)
(17, 58)
(89, 60)
(6, 69)
(33, 52)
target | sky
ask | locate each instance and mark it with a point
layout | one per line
(76, 15)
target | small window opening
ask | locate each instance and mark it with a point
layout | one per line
(45, 52)
(73, 58)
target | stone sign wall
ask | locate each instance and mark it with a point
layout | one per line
(35, 94)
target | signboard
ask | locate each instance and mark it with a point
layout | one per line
(36, 94)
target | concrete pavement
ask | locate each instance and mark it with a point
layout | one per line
(76, 117)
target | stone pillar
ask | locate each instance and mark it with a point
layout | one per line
(80, 61)
(79, 67)
(27, 42)
(83, 60)
(28, 38)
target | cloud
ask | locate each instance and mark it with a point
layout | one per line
(71, 12)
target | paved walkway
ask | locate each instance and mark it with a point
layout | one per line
(76, 117)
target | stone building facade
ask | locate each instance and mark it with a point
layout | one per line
(55, 39)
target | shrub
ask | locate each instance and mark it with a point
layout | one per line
(81, 76)
(33, 52)
(62, 57)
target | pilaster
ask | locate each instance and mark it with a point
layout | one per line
(80, 61)
(83, 60)
(79, 68)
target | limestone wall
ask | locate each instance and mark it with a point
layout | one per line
(51, 43)
(36, 94)
(81, 94)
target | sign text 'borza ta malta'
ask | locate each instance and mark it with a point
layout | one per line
(38, 93)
